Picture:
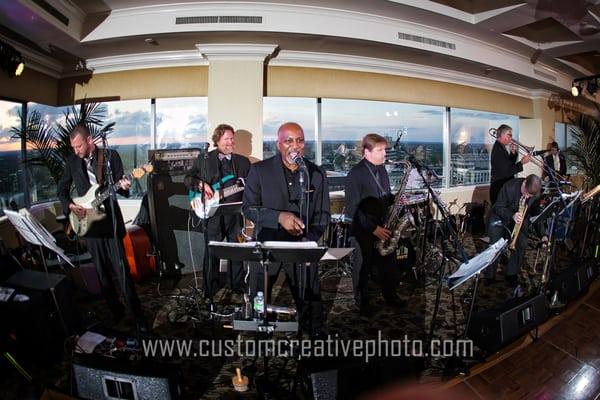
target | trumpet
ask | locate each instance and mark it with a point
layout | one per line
(528, 151)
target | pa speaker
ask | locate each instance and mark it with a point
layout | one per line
(114, 379)
(574, 281)
(175, 229)
(39, 314)
(493, 329)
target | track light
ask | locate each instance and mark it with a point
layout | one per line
(11, 60)
(589, 83)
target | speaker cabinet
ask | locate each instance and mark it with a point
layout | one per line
(114, 379)
(33, 317)
(574, 281)
(175, 229)
(493, 329)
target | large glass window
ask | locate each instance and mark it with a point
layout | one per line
(181, 122)
(471, 144)
(132, 136)
(345, 122)
(10, 157)
(277, 110)
(560, 135)
(42, 186)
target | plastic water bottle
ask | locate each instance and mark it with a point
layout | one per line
(259, 304)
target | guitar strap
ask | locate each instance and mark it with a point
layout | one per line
(100, 167)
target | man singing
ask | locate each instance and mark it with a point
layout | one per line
(515, 194)
(276, 201)
(223, 167)
(368, 196)
(504, 161)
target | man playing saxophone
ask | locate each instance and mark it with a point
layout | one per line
(517, 202)
(368, 196)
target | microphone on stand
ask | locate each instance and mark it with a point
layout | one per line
(299, 161)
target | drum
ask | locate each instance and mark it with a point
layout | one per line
(337, 234)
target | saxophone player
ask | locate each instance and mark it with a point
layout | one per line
(518, 200)
(368, 196)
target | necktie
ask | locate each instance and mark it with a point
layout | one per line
(90, 171)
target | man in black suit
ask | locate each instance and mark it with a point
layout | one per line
(505, 214)
(275, 200)
(556, 160)
(368, 196)
(223, 167)
(504, 161)
(104, 241)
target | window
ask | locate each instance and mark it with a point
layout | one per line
(11, 188)
(346, 122)
(132, 137)
(278, 110)
(42, 186)
(181, 122)
(560, 135)
(471, 143)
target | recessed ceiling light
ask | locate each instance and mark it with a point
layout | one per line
(151, 41)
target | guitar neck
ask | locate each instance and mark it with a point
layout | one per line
(232, 190)
(106, 193)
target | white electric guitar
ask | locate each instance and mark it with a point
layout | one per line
(93, 199)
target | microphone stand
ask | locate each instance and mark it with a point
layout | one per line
(447, 231)
(206, 260)
(304, 205)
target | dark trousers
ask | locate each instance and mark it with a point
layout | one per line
(495, 187)
(114, 275)
(386, 270)
(221, 228)
(305, 286)
(516, 258)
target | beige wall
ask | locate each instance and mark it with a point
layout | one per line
(30, 86)
(137, 84)
(316, 82)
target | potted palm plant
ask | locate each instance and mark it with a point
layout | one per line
(585, 148)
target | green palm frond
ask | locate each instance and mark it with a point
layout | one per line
(51, 145)
(585, 149)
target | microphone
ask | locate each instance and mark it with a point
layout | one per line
(205, 147)
(397, 144)
(299, 161)
(539, 152)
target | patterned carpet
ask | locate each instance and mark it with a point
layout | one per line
(177, 311)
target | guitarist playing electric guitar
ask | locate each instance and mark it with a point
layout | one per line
(86, 167)
(220, 163)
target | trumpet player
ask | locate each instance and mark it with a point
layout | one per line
(504, 160)
(368, 196)
(518, 201)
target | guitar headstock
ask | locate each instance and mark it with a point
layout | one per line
(140, 171)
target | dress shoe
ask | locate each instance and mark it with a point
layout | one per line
(365, 312)
(141, 326)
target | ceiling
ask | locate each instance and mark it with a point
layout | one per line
(562, 36)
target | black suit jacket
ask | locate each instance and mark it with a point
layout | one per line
(508, 204)
(549, 160)
(266, 195)
(75, 173)
(241, 167)
(364, 202)
(504, 165)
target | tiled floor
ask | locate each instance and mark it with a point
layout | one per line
(563, 364)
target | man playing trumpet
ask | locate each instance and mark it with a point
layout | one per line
(518, 201)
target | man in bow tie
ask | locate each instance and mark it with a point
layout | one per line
(221, 163)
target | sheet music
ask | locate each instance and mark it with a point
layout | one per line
(335, 254)
(290, 245)
(34, 232)
(233, 244)
(476, 264)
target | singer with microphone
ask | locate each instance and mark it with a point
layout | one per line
(287, 198)
(368, 196)
(517, 202)
(503, 161)
(219, 166)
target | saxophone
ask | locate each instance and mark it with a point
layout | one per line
(396, 222)
(517, 228)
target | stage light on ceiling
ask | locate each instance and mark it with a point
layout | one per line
(575, 90)
(11, 60)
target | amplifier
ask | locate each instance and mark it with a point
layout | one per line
(173, 161)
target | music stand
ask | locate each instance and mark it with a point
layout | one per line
(35, 233)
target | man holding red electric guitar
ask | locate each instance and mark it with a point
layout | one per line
(223, 170)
